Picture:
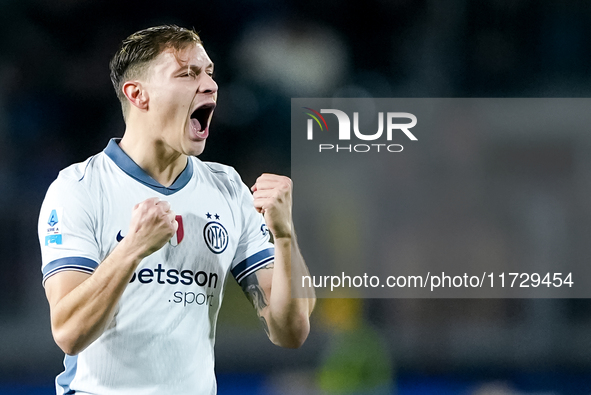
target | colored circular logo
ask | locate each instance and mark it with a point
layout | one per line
(216, 237)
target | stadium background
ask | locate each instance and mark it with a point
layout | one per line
(57, 107)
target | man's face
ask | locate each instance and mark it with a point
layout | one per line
(182, 97)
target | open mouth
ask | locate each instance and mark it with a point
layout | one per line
(201, 115)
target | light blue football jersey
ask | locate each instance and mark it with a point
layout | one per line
(162, 336)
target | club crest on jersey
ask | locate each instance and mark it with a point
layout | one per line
(180, 232)
(215, 235)
(54, 233)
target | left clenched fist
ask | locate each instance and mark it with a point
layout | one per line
(272, 197)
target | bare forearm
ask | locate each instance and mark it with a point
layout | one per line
(81, 306)
(82, 315)
(288, 316)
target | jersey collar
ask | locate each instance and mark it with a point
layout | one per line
(125, 163)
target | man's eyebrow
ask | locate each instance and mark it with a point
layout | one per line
(196, 69)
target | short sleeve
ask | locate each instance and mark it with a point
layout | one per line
(66, 229)
(254, 251)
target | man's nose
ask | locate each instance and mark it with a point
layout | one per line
(208, 85)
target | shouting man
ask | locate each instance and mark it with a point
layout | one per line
(138, 240)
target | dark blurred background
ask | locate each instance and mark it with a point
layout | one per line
(57, 107)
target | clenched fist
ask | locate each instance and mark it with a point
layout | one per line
(272, 197)
(152, 224)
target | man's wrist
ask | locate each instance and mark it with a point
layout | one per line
(130, 252)
(283, 232)
(283, 241)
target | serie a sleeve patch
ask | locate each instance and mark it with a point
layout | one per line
(53, 234)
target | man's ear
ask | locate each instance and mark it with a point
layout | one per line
(136, 94)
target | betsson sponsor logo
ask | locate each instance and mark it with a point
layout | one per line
(162, 276)
(159, 275)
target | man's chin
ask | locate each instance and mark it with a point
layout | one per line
(195, 148)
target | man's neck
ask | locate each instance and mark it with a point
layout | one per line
(157, 159)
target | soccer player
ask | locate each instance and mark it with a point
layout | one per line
(138, 240)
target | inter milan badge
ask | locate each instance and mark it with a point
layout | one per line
(215, 235)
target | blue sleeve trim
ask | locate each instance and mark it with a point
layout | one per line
(65, 378)
(253, 263)
(76, 263)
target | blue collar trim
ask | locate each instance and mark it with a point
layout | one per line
(131, 168)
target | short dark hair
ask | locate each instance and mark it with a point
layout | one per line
(137, 50)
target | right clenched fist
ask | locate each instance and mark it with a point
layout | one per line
(152, 224)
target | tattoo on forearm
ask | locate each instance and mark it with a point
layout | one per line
(255, 294)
